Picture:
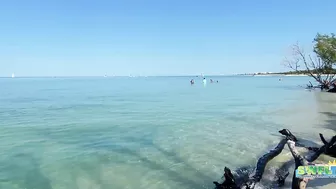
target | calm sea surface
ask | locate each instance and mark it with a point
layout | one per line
(147, 133)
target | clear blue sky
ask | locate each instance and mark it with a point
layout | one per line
(155, 37)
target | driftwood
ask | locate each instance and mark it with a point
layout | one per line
(261, 164)
(229, 181)
(280, 177)
(297, 183)
(329, 148)
(333, 90)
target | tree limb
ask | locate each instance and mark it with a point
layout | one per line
(316, 66)
(328, 148)
(261, 164)
(256, 176)
(281, 174)
(229, 181)
(294, 65)
(323, 139)
(297, 183)
(289, 135)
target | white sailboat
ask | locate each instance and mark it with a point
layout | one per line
(13, 75)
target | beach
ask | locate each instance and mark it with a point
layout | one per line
(151, 132)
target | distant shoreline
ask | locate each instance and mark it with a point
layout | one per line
(286, 75)
(207, 76)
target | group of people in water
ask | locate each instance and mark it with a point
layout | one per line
(204, 81)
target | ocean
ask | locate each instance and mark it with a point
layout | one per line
(149, 132)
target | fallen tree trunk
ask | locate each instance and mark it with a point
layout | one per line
(297, 183)
(329, 148)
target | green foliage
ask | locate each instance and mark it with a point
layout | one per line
(323, 64)
(325, 48)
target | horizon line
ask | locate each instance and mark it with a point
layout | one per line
(186, 75)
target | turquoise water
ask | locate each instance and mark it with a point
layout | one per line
(146, 132)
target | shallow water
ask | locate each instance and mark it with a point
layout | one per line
(146, 133)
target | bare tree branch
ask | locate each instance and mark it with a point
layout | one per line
(312, 63)
(328, 148)
(299, 52)
(317, 68)
(293, 65)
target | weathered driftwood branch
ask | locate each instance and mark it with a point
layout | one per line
(256, 176)
(281, 174)
(297, 183)
(290, 136)
(281, 178)
(229, 181)
(329, 148)
(323, 139)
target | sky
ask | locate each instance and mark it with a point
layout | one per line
(155, 37)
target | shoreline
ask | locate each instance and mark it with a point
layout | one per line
(285, 75)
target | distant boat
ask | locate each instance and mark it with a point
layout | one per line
(13, 75)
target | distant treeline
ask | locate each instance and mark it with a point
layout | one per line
(301, 72)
